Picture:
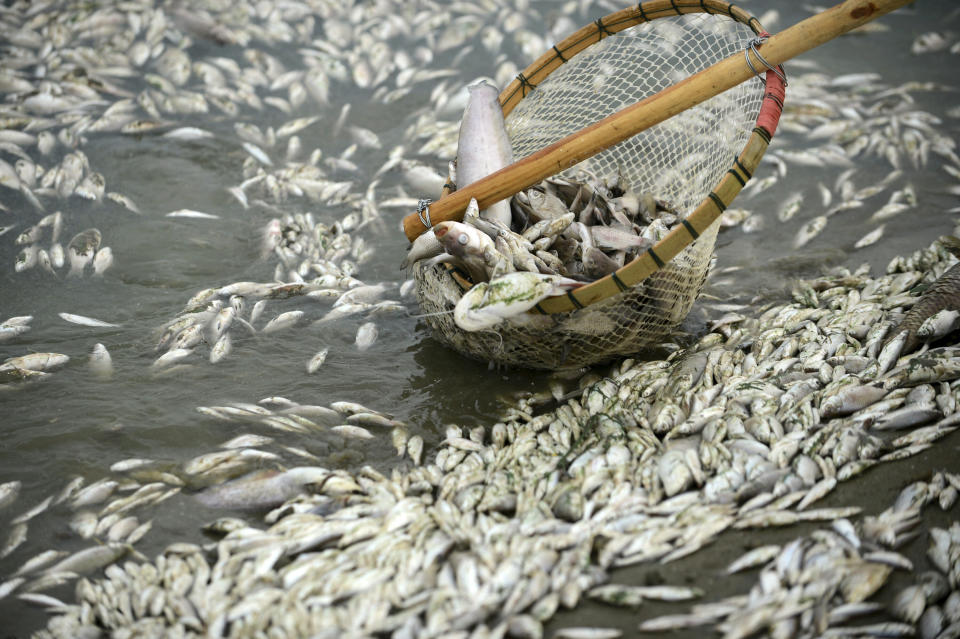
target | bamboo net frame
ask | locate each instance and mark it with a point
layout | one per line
(623, 124)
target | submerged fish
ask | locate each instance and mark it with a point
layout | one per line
(870, 238)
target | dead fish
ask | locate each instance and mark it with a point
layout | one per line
(8, 493)
(202, 25)
(93, 494)
(18, 535)
(942, 294)
(102, 260)
(90, 559)
(483, 145)
(870, 238)
(171, 357)
(809, 231)
(587, 632)
(40, 561)
(425, 246)
(597, 264)
(257, 153)
(889, 210)
(188, 133)
(123, 201)
(91, 188)
(221, 349)
(86, 321)
(36, 362)
(262, 489)
(790, 207)
(57, 256)
(929, 42)
(366, 336)
(27, 258)
(100, 363)
(283, 321)
(189, 213)
(352, 432)
(506, 297)
(81, 250)
(317, 361)
(607, 237)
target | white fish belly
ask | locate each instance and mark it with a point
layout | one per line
(484, 147)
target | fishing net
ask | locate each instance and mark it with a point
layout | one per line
(678, 161)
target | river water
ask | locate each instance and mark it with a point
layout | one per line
(75, 424)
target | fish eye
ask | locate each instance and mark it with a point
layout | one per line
(463, 239)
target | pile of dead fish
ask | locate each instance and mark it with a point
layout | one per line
(500, 527)
(818, 585)
(520, 251)
(314, 263)
(749, 427)
(83, 250)
(585, 228)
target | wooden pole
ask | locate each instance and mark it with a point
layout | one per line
(652, 110)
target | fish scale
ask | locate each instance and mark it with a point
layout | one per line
(943, 294)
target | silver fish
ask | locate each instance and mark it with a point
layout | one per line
(366, 336)
(102, 260)
(8, 493)
(85, 321)
(483, 147)
(283, 321)
(221, 349)
(196, 215)
(870, 238)
(81, 250)
(100, 362)
(262, 489)
(317, 361)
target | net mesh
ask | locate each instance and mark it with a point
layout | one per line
(679, 161)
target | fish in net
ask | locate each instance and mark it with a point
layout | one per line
(677, 161)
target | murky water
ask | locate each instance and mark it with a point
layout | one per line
(74, 424)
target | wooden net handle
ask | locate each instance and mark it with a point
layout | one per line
(654, 109)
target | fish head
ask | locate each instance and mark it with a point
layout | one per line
(455, 238)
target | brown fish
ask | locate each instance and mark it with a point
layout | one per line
(942, 294)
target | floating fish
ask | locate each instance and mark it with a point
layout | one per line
(317, 361)
(366, 336)
(86, 321)
(197, 215)
(809, 231)
(82, 249)
(100, 362)
(870, 238)
(262, 489)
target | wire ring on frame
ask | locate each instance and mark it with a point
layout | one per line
(423, 211)
(752, 46)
